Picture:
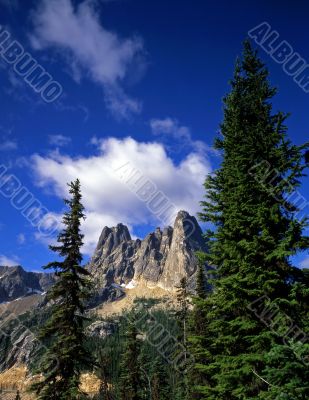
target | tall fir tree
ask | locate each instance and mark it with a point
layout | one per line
(241, 355)
(64, 331)
(201, 283)
(160, 389)
(197, 329)
(131, 378)
(183, 305)
(182, 315)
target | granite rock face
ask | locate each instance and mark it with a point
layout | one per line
(161, 259)
(112, 261)
(181, 260)
(24, 346)
(15, 282)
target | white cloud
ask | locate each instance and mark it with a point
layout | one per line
(107, 198)
(59, 140)
(8, 261)
(170, 126)
(8, 145)
(167, 128)
(304, 263)
(88, 46)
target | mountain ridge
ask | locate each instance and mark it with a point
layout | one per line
(161, 259)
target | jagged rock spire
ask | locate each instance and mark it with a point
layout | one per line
(161, 259)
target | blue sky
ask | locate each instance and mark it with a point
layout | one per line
(142, 84)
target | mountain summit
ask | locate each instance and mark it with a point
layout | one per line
(161, 259)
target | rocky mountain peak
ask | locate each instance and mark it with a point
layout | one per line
(181, 260)
(161, 259)
(187, 227)
(110, 239)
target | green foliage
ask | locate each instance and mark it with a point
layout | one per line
(201, 283)
(63, 333)
(182, 316)
(183, 304)
(249, 334)
(238, 355)
(160, 389)
(131, 374)
(197, 326)
(133, 340)
(105, 359)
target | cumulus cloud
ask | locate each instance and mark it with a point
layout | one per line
(8, 261)
(59, 140)
(89, 47)
(114, 180)
(170, 126)
(167, 128)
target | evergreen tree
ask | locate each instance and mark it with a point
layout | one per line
(131, 379)
(183, 304)
(201, 284)
(103, 373)
(182, 315)
(197, 329)
(160, 389)
(64, 332)
(256, 232)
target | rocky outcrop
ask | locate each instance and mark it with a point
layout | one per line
(18, 344)
(15, 282)
(161, 259)
(151, 257)
(101, 329)
(181, 260)
(112, 261)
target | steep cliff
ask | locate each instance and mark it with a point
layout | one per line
(161, 259)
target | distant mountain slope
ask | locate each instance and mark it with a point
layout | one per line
(15, 282)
